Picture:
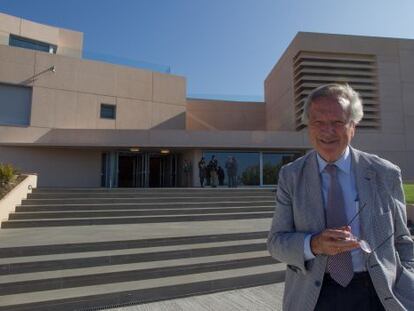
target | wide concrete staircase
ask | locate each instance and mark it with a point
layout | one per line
(77, 249)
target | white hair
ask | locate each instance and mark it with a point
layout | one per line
(349, 100)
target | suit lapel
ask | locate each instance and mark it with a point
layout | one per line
(365, 178)
(313, 196)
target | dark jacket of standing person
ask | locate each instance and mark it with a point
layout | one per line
(202, 171)
(231, 167)
(212, 167)
(220, 174)
(187, 168)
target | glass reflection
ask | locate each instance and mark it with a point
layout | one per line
(272, 162)
(247, 172)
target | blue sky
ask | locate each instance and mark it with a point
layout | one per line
(225, 48)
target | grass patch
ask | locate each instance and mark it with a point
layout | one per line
(409, 193)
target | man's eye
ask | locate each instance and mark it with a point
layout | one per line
(339, 123)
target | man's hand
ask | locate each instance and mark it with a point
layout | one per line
(333, 241)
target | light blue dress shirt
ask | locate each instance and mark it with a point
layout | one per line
(346, 179)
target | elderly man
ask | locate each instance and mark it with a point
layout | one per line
(340, 218)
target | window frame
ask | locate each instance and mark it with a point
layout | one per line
(23, 122)
(31, 44)
(107, 106)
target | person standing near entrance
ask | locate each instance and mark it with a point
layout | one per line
(187, 168)
(234, 174)
(212, 168)
(202, 171)
(340, 220)
(231, 167)
(220, 175)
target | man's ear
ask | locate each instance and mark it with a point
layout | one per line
(353, 128)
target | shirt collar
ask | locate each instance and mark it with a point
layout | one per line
(343, 163)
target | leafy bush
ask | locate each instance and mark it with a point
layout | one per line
(409, 193)
(7, 173)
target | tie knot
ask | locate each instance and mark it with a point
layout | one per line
(331, 169)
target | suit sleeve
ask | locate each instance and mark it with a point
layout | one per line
(284, 243)
(402, 238)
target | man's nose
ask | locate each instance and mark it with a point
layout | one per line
(328, 127)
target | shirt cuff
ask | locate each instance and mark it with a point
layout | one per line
(307, 248)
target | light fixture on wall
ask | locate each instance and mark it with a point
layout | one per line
(134, 149)
(165, 151)
(32, 79)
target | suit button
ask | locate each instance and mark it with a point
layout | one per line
(317, 283)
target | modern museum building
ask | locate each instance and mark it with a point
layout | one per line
(85, 123)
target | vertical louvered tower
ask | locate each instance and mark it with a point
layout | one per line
(312, 69)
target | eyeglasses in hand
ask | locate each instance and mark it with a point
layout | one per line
(363, 243)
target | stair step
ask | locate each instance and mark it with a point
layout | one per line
(74, 273)
(129, 220)
(123, 213)
(142, 291)
(90, 252)
(7, 267)
(125, 206)
(42, 284)
(146, 200)
(140, 194)
(64, 248)
(154, 190)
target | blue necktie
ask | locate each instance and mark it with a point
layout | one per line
(340, 265)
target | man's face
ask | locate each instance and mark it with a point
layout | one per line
(329, 129)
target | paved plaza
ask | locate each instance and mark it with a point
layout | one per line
(261, 298)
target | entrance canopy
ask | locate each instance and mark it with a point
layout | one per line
(153, 138)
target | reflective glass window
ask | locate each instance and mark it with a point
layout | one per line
(272, 162)
(15, 104)
(108, 111)
(246, 169)
(32, 44)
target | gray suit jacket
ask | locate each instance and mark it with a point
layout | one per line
(299, 211)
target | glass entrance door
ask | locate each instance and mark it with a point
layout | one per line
(155, 172)
(138, 170)
(162, 170)
(109, 169)
(126, 169)
(131, 170)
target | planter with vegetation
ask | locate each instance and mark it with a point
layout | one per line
(9, 178)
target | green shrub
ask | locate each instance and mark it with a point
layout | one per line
(7, 173)
(409, 193)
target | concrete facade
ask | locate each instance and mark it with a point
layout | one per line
(67, 135)
(69, 42)
(213, 115)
